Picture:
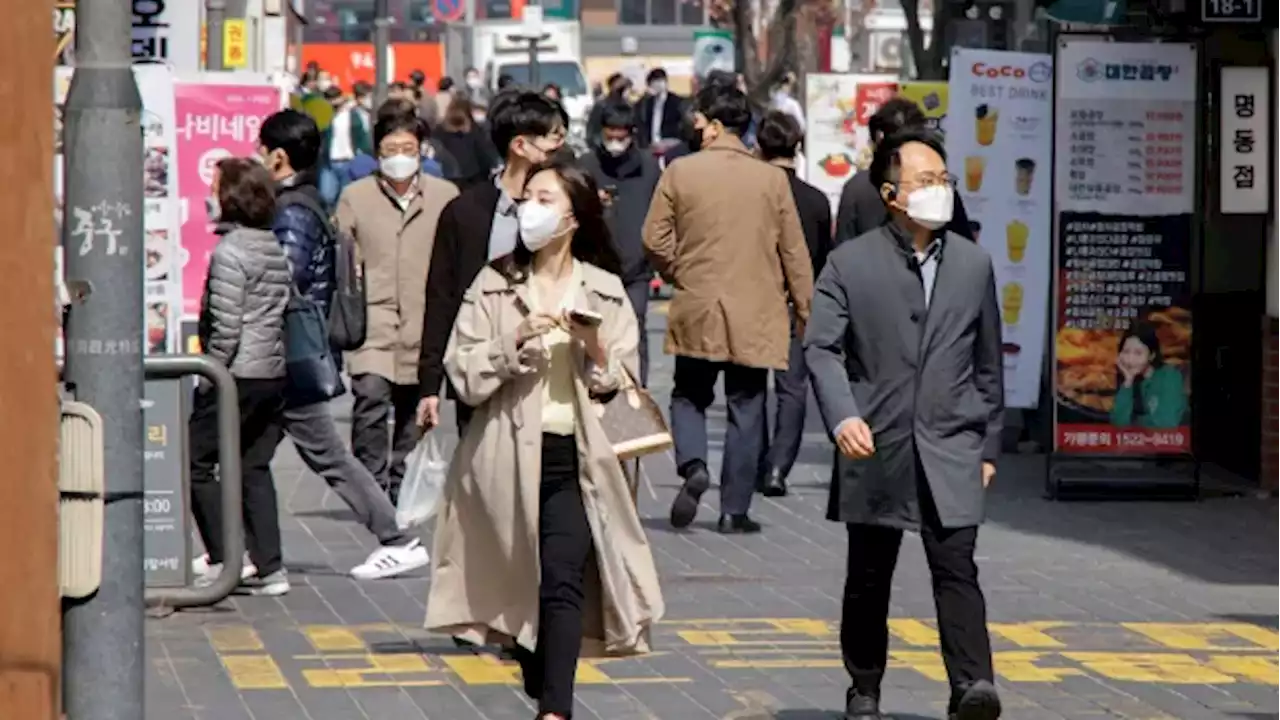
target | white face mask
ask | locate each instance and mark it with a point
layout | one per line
(931, 206)
(616, 147)
(658, 87)
(212, 209)
(399, 167)
(323, 84)
(473, 82)
(539, 225)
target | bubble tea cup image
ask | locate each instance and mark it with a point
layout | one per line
(986, 117)
(1015, 235)
(974, 168)
(1026, 168)
(1011, 303)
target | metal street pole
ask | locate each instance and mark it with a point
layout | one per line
(535, 72)
(215, 11)
(30, 643)
(381, 50)
(103, 249)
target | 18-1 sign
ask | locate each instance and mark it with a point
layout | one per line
(1231, 10)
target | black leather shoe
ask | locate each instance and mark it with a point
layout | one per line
(978, 702)
(737, 524)
(774, 485)
(685, 507)
(862, 707)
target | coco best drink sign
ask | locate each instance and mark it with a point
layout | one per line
(999, 145)
(1126, 172)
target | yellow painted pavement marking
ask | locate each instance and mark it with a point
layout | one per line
(1046, 652)
(234, 638)
(1171, 668)
(1204, 636)
(254, 672)
(333, 638)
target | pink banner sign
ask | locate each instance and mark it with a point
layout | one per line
(213, 121)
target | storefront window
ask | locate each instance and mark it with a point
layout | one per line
(351, 21)
(661, 12)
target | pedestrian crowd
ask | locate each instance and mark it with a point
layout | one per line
(495, 271)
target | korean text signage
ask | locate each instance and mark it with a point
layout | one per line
(1125, 174)
(999, 129)
(1245, 140)
(164, 506)
(214, 121)
(167, 32)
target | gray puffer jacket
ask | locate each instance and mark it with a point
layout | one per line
(245, 295)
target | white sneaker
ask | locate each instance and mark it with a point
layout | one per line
(200, 567)
(392, 560)
(273, 585)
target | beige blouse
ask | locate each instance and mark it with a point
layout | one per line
(559, 413)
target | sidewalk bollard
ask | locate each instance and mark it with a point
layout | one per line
(170, 367)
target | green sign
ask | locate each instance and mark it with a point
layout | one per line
(1091, 12)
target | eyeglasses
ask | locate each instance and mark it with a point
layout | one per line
(388, 150)
(932, 180)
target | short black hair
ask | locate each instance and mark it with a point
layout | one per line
(246, 193)
(333, 92)
(505, 81)
(655, 74)
(296, 134)
(778, 135)
(894, 116)
(417, 77)
(361, 89)
(722, 78)
(397, 116)
(521, 112)
(617, 115)
(886, 161)
(445, 85)
(726, 105)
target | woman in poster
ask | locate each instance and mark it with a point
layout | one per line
(1149, 393)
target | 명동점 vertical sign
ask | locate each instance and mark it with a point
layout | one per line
(1245, 107)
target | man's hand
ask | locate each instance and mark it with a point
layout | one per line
(855, 439)
(988, 474)
(429, 412)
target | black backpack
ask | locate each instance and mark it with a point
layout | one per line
(348, 315)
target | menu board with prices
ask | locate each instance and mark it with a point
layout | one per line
(1126, 149)
(999, 145)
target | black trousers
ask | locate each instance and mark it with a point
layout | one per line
(564, 546)
(261, 410)
(375, 401)
(791, 386)
(962, 612)
(638, 294)
(745, 390)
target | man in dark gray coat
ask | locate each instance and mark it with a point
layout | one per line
(904, 351)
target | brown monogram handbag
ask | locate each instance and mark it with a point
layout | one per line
(633, 422)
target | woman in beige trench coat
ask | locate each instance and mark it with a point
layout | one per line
(538, 540)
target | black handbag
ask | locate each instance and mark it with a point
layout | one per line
(348, 319)
(311, 372)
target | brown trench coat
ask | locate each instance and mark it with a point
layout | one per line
(724, 231)
(485, 568)
(396, 248)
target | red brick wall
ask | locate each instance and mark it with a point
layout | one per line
(1270, 404)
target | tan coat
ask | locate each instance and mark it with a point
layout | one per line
(724, 231)
(485, 570)
(395, 247)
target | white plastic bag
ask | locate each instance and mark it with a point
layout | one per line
(425, 470)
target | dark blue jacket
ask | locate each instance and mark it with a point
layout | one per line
(307, 240)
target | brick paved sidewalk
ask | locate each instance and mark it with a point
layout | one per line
(1117, 610)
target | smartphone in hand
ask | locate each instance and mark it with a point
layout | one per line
(586, 317)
